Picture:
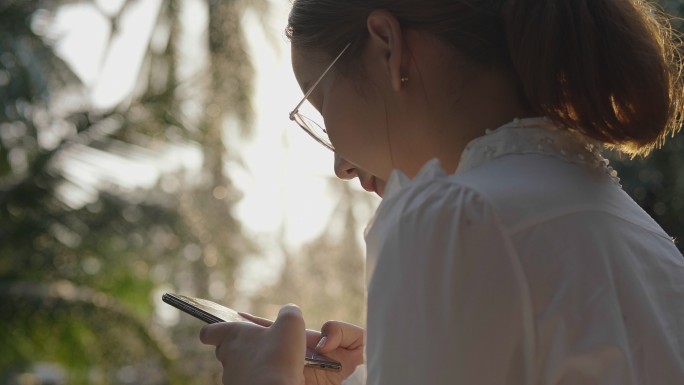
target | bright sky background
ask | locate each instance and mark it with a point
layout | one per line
(285, 185)
(288, 181)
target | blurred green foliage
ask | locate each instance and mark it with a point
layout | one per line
(79, 282)
(657, 184)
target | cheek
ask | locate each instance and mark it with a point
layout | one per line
(357, 127)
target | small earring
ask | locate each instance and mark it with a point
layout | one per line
(404, 79)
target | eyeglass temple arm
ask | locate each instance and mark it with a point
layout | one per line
(306, 95)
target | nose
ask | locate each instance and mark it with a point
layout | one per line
(344, 169)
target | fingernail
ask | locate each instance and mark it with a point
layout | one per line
(290, 308)
(321, 343)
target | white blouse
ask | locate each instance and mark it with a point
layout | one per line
(529, 265)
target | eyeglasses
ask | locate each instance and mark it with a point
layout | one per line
(312, 128)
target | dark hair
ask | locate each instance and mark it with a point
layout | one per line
(607, 68)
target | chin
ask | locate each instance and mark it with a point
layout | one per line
(379, 187)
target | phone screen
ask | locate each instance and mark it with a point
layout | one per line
(211, 312)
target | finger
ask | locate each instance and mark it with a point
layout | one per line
(337, 334)
(257, 320)
(214, 334)
(312, 337)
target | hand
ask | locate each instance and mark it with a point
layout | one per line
(254, 354)
(340, 341)
(343, 342)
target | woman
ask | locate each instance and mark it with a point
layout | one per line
(504, 251)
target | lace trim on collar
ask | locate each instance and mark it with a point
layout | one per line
(535, 136)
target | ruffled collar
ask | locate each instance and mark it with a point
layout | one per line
(521, 136)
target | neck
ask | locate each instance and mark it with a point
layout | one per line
(489, 100)
(465, 110)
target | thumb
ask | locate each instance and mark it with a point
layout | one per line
(337, 334)
(289, 326)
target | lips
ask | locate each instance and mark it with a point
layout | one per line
(368, 184)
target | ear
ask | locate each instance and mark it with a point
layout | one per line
(386, 41)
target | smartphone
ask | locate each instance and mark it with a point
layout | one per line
(211, 312)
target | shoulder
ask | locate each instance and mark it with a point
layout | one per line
(504, 196)
(436, 201)
(505, 190)
(436, 247)
(428, 226)
(434, 219)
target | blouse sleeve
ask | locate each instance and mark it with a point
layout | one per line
(447, 301)
(358, 377)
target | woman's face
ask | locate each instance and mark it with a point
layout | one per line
(416, 98)
(354, 116)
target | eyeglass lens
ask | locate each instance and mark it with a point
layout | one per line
(312, 122)
(314, 129)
